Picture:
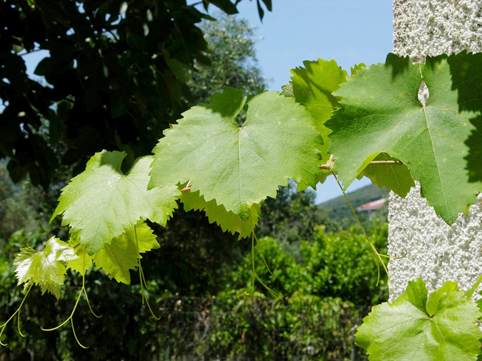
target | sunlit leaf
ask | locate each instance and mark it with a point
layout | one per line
(45, 268)
(120, 256)
(239, 165)
(443, 328)
(381, 113)
(101, 203)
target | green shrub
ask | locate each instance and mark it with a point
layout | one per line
(339, 264)
(343, 265)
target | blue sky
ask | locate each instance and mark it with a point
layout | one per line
(349, 31)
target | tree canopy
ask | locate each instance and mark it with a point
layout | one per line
(115, 77)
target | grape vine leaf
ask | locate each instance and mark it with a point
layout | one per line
(239, 165)
(357, 67)
(470, 292)
(396, 178)
(120, 256)
(381, 113)
(45, 268)
(412, 328)
(83, 261)
(102, 202)
(228, 221)
(312, 87)
(287, 90)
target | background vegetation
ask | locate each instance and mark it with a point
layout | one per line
(115, 78)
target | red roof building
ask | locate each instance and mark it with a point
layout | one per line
(371, 206)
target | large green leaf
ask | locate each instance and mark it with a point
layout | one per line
(396, 177)
(313, 87)
(120, 256)
(45, 268)
(381, 113)
(228, 221)
(442, 329)
(239, 165)
(102, 202)
(83, 261)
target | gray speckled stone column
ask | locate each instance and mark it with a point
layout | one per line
(436, 252)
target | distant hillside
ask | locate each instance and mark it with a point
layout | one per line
(338, 208)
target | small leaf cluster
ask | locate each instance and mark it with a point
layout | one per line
(442, 326)
(44, 268)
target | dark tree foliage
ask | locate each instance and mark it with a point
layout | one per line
(193, 257)
(231, 46)
(115, 78)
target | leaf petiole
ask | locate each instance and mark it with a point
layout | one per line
(255, 275)
(70, 318)
(262, 255)
(378, 256)
(2, 327)
(18, 324)
(391, 257)
(328, 165)
(472, 290)
(75, 335)
(142, 279)
(85, 291)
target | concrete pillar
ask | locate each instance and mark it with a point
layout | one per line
(435, 251)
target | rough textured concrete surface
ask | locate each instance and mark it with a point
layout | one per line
(434, 27)
(434, 251)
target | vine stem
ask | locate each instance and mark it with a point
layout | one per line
(328, 165)
(378, 256)
(255, 275)
(70, 318)
(2, 327)
(187, 188)
(142, 279)
(18, 324)
(85, 291)
(252, 263)
(262, 255)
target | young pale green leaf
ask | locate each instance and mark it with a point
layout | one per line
(381, 113)
(417, 294)
(45, 268)
(239, 165)
(479, 305)
(83, 261)
(287, 90)
(357, 67)
(470, 292)
(101, 203)
(228, 221)
(313, 87)
(396, 178)
(442, 329)
(120, 256)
